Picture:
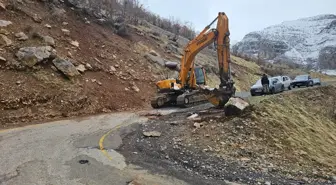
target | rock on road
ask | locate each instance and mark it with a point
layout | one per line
(68, 152)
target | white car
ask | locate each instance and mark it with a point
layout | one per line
(286, 81)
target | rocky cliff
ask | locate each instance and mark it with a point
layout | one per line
(307, 41)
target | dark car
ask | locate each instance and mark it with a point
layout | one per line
(302, 80)
(317, 81)
(275, 86)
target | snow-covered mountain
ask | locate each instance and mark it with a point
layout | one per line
(305, 41)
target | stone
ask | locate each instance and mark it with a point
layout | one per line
(66, 32)
(4, 23)
(49, 40)
(135, 88)
(47, 26)
(268, 183)
(235, 106)
(2, 59)
(171, 65)
(198, 125)
(88, 66)
(29, 56)
(5, 41)
(152, 52)
(155, 59)
(4, 32)
(74, 43)
(66, 67)
(2, 6)
(37, 18)
(21, 36)
(152, 134)
(65, 23)
(113, 69)
(193, 116)
(81, 68)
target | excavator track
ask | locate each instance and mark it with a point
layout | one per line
(190, 99)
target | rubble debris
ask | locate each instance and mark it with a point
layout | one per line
(2, 6)
(37, 18)
(155, 59)
(5, 41)
(4, 23)
(66, 32)
(135, 88)
(193, 116)
(88, 66)
(49, 40)
(2, 59)
(21, 36)
(152, 134)
(81, 68)
(30, 56)
(74, 43)
(154, 53)
(113, 69)
(4, 32)
(198, 125)
(47, 26)
(66, 67)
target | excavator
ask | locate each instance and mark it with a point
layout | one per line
(190, 88)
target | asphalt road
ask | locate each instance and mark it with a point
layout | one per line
(71, 152)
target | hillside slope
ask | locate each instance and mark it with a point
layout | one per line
(96, 70)
(307, 41)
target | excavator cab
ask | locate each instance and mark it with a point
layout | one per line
(200, 76)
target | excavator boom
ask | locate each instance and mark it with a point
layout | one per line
(187, 88)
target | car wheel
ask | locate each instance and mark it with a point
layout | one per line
(289, 88)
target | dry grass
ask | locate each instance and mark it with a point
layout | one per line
(302, 125)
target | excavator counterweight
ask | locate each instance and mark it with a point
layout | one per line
(190, 87)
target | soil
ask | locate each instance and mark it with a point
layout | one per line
(40, 93)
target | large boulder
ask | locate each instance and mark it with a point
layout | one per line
(66, 67)
(155, 59)
(30, 56)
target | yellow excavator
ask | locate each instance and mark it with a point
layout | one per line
(190, 86)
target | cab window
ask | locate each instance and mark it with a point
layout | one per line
(200, 79)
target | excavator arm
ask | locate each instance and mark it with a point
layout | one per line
(219, 36)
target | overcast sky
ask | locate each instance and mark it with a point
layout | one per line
(244, 15)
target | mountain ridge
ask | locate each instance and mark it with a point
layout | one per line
(306, 41)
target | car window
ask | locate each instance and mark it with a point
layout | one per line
(301, 77)
(284, 79)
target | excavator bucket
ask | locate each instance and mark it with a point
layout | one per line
(219, 97)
